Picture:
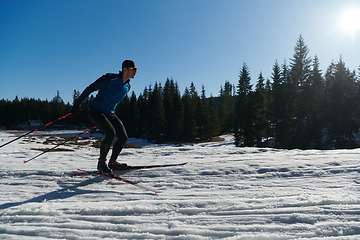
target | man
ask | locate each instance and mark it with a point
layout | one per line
(112, 90)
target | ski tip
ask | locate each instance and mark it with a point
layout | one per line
(24, 161)
(158, 191)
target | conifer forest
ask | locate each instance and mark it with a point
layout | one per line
(298, 106)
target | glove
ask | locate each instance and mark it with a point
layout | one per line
(76, 107)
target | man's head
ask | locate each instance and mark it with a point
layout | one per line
(128, 64)
(129, 69)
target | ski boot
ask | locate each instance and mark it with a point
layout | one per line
(117, 166)
(103, 168)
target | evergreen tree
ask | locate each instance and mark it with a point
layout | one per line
(198, 114)
(260, 117)
(212, 119)
(134, 115)
(357, 87)
(226, 107)
(341, 99)
(277, 104)
(244, 115)
(300, 66)
(178, 114)
(168, 101)
(57, 106)
(190, 131)
(287, 126)
(15, 111)
(268, 101)
(3, 108)
(142, 121)
(57, 98)
(155, 115)
(45, 110)
(76, 94)
(316, 106)
(173, 110)
(202, 114)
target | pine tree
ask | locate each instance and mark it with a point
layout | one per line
(75, 95)
(260, 110)
(57, 106)
(244, 115)
(268, 101)
(178, 114)
(173, 110)
(198, 114)
(316, 101)
(341, 99)
(142, 121)
(226, 107)
(202, 114)
(134, 116)
(212, 120)
(189, 131)
(57, 98)
(168, 101)
(300, 66)
(155, 115)
(277, 104)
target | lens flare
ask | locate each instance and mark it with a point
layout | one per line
(351, 20)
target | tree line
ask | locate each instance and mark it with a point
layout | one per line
(297, 107)
(301, 107)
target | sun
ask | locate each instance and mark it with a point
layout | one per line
(351, 20)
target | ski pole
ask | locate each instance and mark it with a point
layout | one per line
(25, 161)
(36, 130)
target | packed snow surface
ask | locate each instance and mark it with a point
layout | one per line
(223, 192)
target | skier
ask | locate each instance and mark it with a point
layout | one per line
(112, 89)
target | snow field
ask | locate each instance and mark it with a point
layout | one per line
(224, 192)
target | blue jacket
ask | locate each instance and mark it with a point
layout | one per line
(112, 90)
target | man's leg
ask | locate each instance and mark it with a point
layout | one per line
(102, 122)
(121, 136)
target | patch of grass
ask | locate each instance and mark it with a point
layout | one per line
(216, 139)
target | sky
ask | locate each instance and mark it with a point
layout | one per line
(65, 45)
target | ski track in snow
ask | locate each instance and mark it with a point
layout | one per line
(224, 192)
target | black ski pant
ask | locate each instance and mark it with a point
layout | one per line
(111, 126)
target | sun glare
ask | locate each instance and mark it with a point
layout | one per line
(351, 20)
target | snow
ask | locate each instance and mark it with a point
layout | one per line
(224, 192)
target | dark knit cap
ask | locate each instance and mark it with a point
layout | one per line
(128, 64)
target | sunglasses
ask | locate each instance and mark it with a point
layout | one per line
(133, 69)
